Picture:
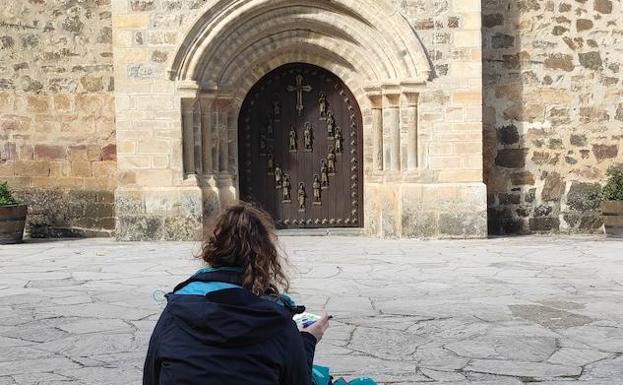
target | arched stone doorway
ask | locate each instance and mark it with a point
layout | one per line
(228, 48)
(300, 149)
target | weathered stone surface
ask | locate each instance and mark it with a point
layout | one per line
(500, 40)
(560, 62)
(544, 224)
(578, 140)
(576, 357)
(553, 188)
(549, 317)
(583, 24)
(508, 135)
(605, 151)
(492, 20)
(523, 369)
(522, 178)
(55, 56)
(591, 60)
(603, 6)
(511, 158)
(583, 196)
(401, 317)
(561, 47)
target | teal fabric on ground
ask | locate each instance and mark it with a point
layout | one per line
(320, 375)
(362, 381)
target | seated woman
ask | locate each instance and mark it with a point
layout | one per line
(228, 324)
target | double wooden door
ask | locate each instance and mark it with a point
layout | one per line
(300, 149)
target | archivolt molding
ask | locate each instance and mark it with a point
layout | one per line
(366, 38)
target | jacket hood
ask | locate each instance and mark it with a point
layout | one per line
(231, 317)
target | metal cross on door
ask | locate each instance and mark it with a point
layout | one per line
(299, 88)
(306, 172)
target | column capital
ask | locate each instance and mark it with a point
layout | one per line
(411, 98)
(187, 89)
(375, 94)
(391, 94)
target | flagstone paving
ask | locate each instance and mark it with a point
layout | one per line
(505, 311)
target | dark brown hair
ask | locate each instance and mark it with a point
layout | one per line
(244, 236)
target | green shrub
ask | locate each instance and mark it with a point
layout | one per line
(6, 198)
(613, 190)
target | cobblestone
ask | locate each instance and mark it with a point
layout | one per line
(485, 312)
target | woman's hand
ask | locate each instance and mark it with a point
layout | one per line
(318, 328)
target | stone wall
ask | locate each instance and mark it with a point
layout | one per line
(553, 111)
(449, 121)
(57, 135)
(439, 192)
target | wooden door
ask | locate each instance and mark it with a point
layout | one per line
(300, 149)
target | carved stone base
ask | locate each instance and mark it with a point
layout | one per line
(286, 202)
(317, 203)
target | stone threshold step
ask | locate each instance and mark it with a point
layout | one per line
(354, 232)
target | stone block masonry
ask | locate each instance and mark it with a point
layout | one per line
(553, 111)
(152, 128)
(57, 134)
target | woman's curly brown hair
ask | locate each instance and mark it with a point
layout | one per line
(244, 236)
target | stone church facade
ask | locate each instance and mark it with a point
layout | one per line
(412, 118)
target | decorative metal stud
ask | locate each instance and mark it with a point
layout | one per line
(338, 140)
(324, 175)
(270, 162)
(331, 161)
(317, 190)
(270, 129)
(330, 125)
(308, 137)
(278, 176)
(292, 138)
(263, 145)
(285, 189)
(301, 196)
(276, 111)
(323, 105)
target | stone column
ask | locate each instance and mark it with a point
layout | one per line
(207, 128)
(391, 127)
(197, 140)
(222, 124)
(188, 142)
(411, 119)
(187, 93)
(225, 182)
(377, 132)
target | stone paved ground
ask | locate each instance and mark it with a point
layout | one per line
(487, 312)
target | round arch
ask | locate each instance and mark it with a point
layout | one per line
(351, 30)
(233, 44)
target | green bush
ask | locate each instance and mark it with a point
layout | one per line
(613, 190)
(6, 198)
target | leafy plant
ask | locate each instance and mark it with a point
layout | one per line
(6, 198)
(613, 190)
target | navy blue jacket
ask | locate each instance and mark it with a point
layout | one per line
(227, 337)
